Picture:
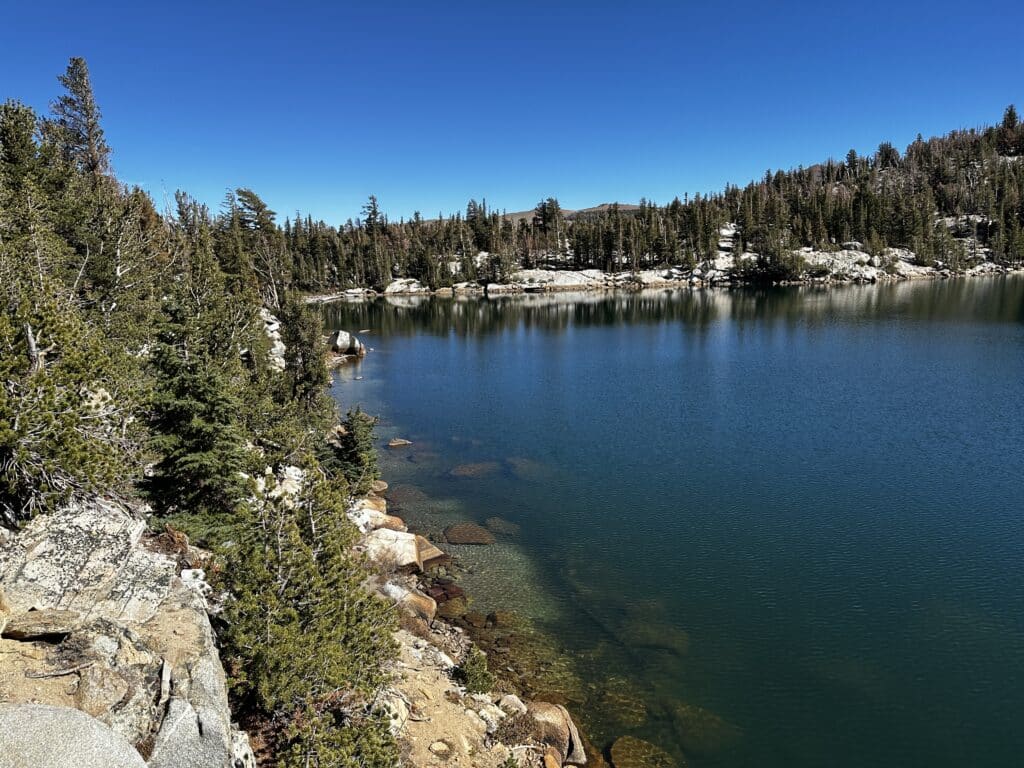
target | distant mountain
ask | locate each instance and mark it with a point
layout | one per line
(570, 214)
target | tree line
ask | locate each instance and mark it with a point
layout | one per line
(134, 365)
(949, 200)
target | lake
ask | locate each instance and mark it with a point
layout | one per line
(762, 527)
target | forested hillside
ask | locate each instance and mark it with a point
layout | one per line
(134, 365)
(951, 200)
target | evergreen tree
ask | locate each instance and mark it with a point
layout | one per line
(76, 122)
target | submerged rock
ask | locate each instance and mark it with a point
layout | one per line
(475, 469)
(454, 608)
(502, 619)
(631, 752)
(527, 469)
(502, 526)
(628, 710)
(701, 731)
(468, 533)
(405, 496)
(645, 634)
(398, 442)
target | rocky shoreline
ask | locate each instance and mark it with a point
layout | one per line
(442, 709)
(526, 662)
(848, 264)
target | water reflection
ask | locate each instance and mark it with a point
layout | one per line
(995, 300)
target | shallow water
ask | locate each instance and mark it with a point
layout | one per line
(788, 521)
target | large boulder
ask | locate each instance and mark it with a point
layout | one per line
(701, 731)
(399, 549)
(553, 725)
(371, 513)
(42, 736)
(345, 343)
(86, 558)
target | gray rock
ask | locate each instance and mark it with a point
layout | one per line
(241, 751)
(86, 558)
(345, 343)
(512, 704)
(196, 731)
(190, 739)
(40, 736)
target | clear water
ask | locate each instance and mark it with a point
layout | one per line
(798, 509)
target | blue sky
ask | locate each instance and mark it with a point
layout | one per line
(316, 105)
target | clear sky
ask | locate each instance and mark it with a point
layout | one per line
(316, 105)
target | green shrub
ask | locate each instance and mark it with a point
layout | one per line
(473, 672)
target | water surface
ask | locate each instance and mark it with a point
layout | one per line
(797, 509)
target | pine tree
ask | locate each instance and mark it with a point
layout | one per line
(354, 456)
(76, 122)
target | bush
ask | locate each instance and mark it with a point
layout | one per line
(473, 672)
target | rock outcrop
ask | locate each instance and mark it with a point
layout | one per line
(103, 631)
(405, 285)
(444, 721)
(272, 327)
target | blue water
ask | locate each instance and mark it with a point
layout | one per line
(798, 509)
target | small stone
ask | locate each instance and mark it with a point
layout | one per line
(440, 748)
(398, 442)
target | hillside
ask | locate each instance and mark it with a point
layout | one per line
(951, 202)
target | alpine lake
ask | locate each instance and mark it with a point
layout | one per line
(779, 527)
